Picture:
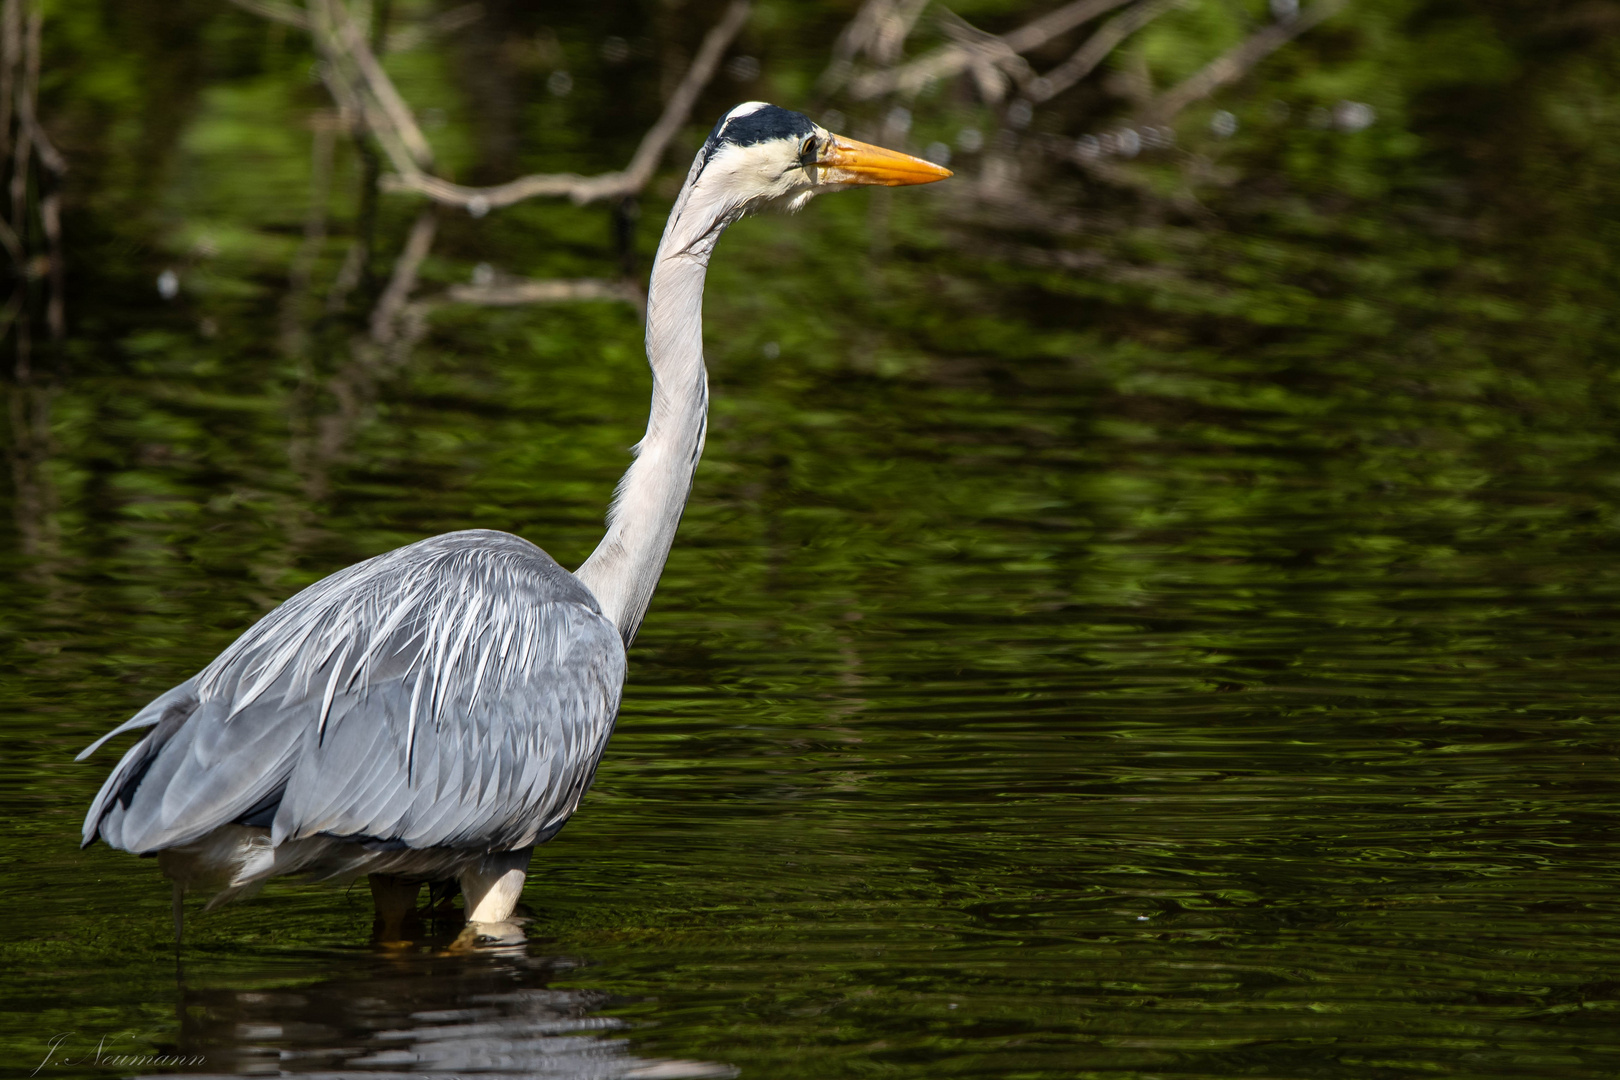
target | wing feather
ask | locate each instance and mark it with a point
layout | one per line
(454, 693)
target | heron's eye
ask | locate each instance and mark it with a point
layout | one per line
(807, 153)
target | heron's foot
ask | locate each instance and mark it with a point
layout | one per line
(397, 922)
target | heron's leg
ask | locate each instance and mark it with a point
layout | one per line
(491, 887)
(396, 907)
(441, 901)
(179, 906)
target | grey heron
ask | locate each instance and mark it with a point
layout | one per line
(436, 711)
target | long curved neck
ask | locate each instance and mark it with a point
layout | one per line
(623, 571)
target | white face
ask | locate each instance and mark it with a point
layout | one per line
(763, 154)
(776, 171)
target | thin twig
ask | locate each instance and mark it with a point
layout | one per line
(275, 11)
(951, 60)
(1095, 50)
(1236, 62)
(585, 189)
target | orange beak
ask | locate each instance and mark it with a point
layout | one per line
(845, 161)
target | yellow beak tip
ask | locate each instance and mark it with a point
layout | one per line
(862, 163)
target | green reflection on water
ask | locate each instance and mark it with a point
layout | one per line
(1202, 666)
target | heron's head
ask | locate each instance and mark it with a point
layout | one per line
(761, 155)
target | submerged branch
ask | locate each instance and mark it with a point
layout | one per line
(403, 279)
(546, 291)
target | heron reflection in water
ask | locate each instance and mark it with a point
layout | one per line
(496, 1014)
(433, 713)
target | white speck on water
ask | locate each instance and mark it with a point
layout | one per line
(898, 120)
(561, 84)
(168, 284)
(1223, 124)
(477, 206)
(483, 274)
(970, 140)
(938, 153)
(771, 350)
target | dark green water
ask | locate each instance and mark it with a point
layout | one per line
(1054, 677)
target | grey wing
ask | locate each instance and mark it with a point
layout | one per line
(454, 693)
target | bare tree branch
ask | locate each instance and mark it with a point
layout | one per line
(1095, 50)
(1056, 23)
(584, 189)
(276, 11)
(373, 97)
(950, 60)
(1236, 62)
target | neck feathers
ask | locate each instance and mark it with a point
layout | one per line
(624, 569)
